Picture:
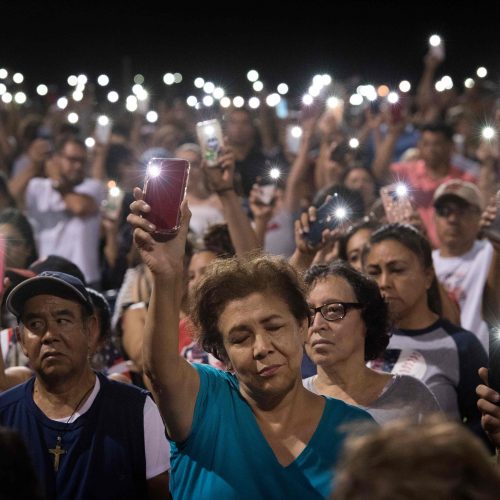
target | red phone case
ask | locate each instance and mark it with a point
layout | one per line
(164, 194)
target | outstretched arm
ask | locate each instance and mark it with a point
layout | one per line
(174, 381)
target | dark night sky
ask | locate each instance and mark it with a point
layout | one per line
(381, 41)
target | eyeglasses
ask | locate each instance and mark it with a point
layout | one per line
(458, 210)
(334, 310)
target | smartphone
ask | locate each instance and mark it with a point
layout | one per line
(396, 202)
(293, 138)
(494, 360)
(330, 215)
(113, 202)
(211, 141)
(164, 189)
(267, 192)
(102, 130)
(396, 111)
(492, 232)
(438, 51)
(282, 109)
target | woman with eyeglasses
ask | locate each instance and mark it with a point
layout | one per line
(348, 327)
(423, 344)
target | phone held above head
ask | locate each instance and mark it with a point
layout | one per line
(164, 189)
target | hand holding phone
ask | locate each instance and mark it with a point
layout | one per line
(102, 129)
(330, 215)
(397, 203)
(494, 360)
(164, 189)
(113, 203)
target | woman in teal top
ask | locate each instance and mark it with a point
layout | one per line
(254, 431)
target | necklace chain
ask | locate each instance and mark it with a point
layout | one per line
(58, 451)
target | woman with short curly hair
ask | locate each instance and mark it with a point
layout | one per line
(349, 326)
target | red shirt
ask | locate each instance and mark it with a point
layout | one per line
(422, 187)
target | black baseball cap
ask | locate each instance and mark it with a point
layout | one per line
(55, 283)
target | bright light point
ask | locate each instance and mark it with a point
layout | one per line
(225, 102)
(317, 81)
(152, 116)
(18, 78)
(103, 80)
(142, 94)
(199, 82)
(332, 102)
(254, 102)
(72, 80)
(257, 86)
(392, 97)
(62, 102)
(253, 75)
(481, 72)
(439, 86)
(103, 120)
(307, 99)
(273, 100)
(82, 79)
(282, 88)
(469, 83)
(208, 88)
(402, 190)
(314, 91)
(340, 213)
(238, 102)
(73, 118)
(154, 170)
(488, 133)
(42, 89)
(3, 73)
(90, 142)
(382, 90)
(354, 143)
(3, 88)
(218, 93)
(191, 101)
(447, 82)
(296, 132)
(356, 99)
(139, 79)
(405, 86)
(114, 191)
(137, 88)
(20, 97)
(168, 78)
(208, 100)
(177, 78)
(77, 95)
(326, 79)
(131, 103)
(275, 173)
(7, 97)
(113, 96)
(435, 40)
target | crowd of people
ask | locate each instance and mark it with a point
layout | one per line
(307, 343)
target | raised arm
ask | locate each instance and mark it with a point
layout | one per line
(220, 179)
(174, 381)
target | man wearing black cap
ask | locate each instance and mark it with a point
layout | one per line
(87, 435)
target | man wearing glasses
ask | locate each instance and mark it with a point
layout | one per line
(467, 266)
(65, 210)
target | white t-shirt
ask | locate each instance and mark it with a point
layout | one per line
(464, 278)
(156, 445)
(58, 232)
